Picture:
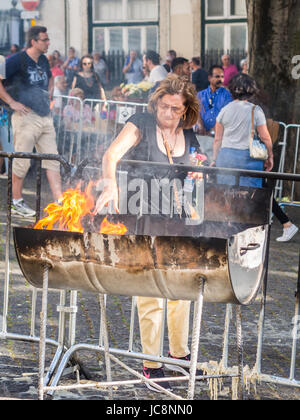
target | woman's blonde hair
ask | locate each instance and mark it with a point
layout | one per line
(178, 85)
(77, 92)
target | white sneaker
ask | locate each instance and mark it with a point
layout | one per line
(288, 233)
(22, 209)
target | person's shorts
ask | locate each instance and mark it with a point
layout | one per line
(32, 131)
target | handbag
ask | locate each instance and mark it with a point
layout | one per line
(257, 148)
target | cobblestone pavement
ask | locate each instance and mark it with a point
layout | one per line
(19, 359)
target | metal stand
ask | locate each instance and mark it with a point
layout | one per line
(43, 334)
(239, 340)
(108, 353)
(62, 357)
(195, 339)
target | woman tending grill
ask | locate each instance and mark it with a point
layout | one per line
(164, 134)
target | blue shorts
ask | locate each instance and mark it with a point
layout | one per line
(238, 159)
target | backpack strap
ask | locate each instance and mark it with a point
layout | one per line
(252, 124)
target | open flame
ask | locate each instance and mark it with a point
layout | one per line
(109, 228)
(73, 207)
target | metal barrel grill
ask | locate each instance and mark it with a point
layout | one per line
(161, 256)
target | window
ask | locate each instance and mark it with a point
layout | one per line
(99, 40)
(142, 10)
(125, 38)
(220, 9)
(125, 24)
(215, 37)
(226, 36)
(107, 10)
(151, 38)
(225, 24)
(134, 39)
(238, 36)
(238, 8)
(125, 10)
(115, 39)
(215, 8)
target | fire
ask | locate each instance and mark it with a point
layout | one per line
(75, 204)
(73, 207)
(112, 228)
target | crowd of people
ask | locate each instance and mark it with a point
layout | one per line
(187, 106)
(88, 77)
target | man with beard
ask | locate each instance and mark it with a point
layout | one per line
(212, 100)
(181, 67)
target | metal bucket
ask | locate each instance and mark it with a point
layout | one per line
(154, 266)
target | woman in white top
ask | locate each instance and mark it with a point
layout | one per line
(233, 130)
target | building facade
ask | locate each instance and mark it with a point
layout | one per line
(188, 26)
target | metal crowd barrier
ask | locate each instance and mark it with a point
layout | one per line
(215, 371)
(66, 349)
(96, 123)
(289, 141)
(5, 332)
(86, 128)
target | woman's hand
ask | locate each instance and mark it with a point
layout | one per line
(269, 164)
(109, 193)
(266, 139)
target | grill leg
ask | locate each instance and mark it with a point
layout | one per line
(195, 340)
(43, 331)
(106, 343)
(240, 352)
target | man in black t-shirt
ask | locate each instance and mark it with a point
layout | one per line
(31, 121)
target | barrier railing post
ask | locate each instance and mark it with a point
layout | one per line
(295, 161)
(228, 315)
(279, 183)
(296, 322)
(43, 333)
(7, 243)
(132, 323)
(195, 339)
(106, 342)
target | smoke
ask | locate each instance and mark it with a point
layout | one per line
(152, 196)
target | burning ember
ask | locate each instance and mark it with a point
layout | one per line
(74, 206)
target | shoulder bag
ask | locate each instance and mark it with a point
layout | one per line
(257, 148)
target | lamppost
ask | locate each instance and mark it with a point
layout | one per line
(14, 23)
